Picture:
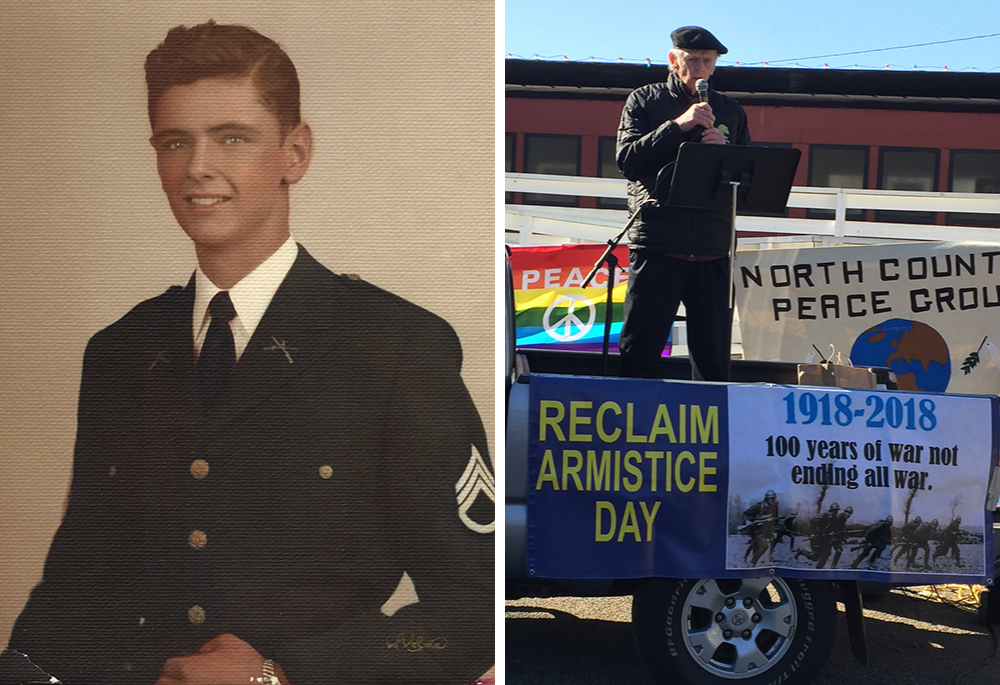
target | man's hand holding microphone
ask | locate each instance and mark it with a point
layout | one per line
(700, 114)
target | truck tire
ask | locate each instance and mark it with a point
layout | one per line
(753, 630)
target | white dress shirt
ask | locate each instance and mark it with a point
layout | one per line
(250, 297)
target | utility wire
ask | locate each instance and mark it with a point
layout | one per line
(863, 52)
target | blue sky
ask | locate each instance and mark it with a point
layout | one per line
(757, 31)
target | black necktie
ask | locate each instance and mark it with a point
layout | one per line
(218, 353)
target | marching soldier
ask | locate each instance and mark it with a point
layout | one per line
(786, 526)
(877, 538)
(921, 541)
(761, 517)
(838, 534)
(821, 536)
(901, 545)
(949, 541)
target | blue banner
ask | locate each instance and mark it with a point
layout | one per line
(637, 478)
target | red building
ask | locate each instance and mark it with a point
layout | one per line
(927, 131)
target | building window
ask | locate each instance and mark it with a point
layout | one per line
(607, 167)
(974, 171)
(551, 154)
(837, 166)
(510, 140)
(907, 169)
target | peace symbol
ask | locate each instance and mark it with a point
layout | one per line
(569, 327)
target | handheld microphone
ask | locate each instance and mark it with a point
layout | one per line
(701, 85)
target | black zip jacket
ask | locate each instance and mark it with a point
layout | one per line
(648, 139)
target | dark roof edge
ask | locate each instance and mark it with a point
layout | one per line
(763, 80)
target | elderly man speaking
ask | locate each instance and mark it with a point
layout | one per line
(677, 254)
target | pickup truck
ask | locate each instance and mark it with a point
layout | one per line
(756, 631)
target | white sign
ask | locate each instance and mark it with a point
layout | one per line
(928, 311)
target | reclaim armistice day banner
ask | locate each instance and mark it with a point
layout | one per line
(633, 478)
(928, 311)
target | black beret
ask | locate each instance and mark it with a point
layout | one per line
(696, 38)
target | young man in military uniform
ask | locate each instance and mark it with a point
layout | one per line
(279, 475)
(677, 254)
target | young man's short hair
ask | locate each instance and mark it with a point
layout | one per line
(210, 50)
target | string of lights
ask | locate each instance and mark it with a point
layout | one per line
(865, 52)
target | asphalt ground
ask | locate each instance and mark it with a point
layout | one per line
(916, 636)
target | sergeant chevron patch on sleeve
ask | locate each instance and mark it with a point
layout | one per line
(475, 481)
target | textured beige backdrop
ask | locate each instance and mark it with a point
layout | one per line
(400, 96)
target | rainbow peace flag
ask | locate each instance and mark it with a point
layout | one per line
(553, 309)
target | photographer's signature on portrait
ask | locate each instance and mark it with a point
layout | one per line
(409, 642)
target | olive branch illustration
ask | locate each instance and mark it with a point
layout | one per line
(973, 359)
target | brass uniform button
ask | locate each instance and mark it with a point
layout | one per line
(197, 539)
(325, 471)
(199, 468)
(112, 471)
(196, 615)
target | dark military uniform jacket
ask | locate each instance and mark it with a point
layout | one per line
(879, 534)
(648, 140)
(345, 453)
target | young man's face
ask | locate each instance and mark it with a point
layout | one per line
(224, 165)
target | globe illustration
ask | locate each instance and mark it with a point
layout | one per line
(915, 351)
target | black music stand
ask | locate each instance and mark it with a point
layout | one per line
(705, 176)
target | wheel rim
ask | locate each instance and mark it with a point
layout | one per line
(739, 628)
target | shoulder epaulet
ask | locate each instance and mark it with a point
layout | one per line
(351, 277)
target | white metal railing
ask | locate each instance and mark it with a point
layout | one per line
(534, 224)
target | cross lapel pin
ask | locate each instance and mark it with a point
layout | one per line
(283, 346)
(161, 356)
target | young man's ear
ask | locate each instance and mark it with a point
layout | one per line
(299, 150)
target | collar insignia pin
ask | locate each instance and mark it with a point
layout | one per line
(160, 357)
(283, 346)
